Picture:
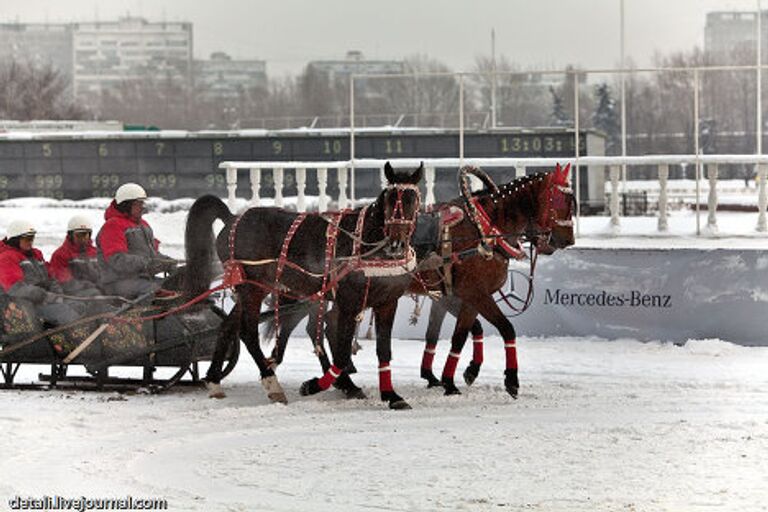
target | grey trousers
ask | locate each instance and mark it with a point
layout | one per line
(132, 288)
(60, 313)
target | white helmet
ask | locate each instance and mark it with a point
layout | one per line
(19, 228)
(129, 192)
(79, 223)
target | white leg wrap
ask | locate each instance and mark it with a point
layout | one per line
(215, 390)
(274, 389)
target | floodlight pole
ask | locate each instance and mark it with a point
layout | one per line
(760, 173)
(493, 78)
(352, 139)
(623, 98)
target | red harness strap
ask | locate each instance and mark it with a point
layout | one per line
(488, 228)
(359, 232)
(331, 233)
(281, 265)
(233, 270)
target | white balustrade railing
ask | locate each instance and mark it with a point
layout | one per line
(595, 164)
(663, 197)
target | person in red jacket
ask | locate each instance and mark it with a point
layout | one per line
(128, 248)
(25, 278)
(75, 264)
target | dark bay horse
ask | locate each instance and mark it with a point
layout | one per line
(359, 258)
(537, 209)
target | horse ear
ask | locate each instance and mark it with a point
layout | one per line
(417, 174)
(565, 173)
(561, 174)
(389, 172)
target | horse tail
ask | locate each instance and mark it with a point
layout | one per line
(199, 242)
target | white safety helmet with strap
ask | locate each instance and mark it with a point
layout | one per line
(79, 223)
(20, 228)
(130, 192)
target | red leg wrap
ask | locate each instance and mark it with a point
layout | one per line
(450, 365)
(329, 377)
(510, 349)
(385, 377)
(429, 356)
(477, 349)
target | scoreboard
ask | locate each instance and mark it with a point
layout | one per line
(185, 164)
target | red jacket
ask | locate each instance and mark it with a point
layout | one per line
(10, 265)
(64, 255)
(112, 238)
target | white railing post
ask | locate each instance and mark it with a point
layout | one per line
(429, 180)
(520, 171)
(762, 199)
(663, 199)
(383, 178)
(322, 184)
(301, 185)
(342, 177)
(615, 172)
(277, 178)
(712, 198)
(255, 186)
(231, 187)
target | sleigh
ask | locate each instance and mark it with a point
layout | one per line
(151, 346)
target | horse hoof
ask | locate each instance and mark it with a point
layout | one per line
(310, 387)
(511, 383)
(399, 405)
(450, 387)
(215, 390)
(274, 389)
(451, 390)
(279, 398)
(395, 401)
(348, 387)
(432, 381)
(471, 373)
(355, 394)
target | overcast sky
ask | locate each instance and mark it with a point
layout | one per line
(537, 34)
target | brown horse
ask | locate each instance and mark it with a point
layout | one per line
(536, 209)
(361, 257)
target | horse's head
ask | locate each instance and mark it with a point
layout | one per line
(401, 201)
(555, 205)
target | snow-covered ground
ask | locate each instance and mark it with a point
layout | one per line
(599, 425)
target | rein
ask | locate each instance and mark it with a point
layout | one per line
(490, 235)
(508, 297)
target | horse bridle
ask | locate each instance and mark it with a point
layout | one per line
(398, 216)
(533, 236)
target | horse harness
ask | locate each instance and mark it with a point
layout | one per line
(234, 274)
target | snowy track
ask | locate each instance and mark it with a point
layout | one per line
(598, 426)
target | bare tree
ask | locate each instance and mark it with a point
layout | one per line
(521, 99)
(36, 92)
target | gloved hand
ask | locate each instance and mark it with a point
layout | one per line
(52, 298)
(36, 294)
(157, 265)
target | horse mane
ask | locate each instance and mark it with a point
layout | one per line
(515, 199)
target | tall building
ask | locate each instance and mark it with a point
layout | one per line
(729, 36)
(41, 44)
(106, 54)
(221, 78)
